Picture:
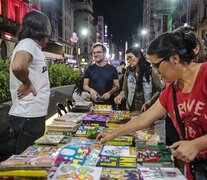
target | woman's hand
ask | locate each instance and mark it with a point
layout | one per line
(103, 137)
(185, 150)
(118, 99)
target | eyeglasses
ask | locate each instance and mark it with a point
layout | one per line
(157, 65)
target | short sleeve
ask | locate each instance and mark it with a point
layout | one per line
(164, 96)
(87, 73)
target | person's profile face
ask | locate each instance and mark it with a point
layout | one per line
(132, 60)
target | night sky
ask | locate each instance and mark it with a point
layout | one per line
(123, 17)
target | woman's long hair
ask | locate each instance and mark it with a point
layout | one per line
(144, 67)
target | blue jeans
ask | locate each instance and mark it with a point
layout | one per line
(26, 131)
(200, 171)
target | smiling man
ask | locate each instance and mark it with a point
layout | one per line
(101, 79)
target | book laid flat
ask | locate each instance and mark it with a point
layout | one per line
(148, 173)
(69, 171)
(116, 151)
(72, 117)
(21, 161)
(42, 151)
(98, 119)
(153, 153)
(119, 174)
(117, 162)
(50, 139)
(121, 141)
(88, 131)
(119, 116)
(102, 109)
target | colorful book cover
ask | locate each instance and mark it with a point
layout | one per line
(116, 151)
(95, 119)
(119, 174)
(21, 161)
(153, 153)
(102, 109)
(121, 141)
(53, 132)
(88, 131)
(117, 162)
(75, 172)
(148, 173)
(42, 151)
(50, 139)
(72, 154)
(119, 116)
(23, 173)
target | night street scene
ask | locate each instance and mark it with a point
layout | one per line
(103, 89)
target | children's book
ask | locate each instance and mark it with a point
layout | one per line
(42, 151)
(88, 131)
(116, 151)
(54, 132)
(75, 172)
(50, 139)
(121, 141)
(119, 174)
(119, 116)
(102, 109)
(95, 119)
(117, 162)
(21, 161)
(153, 153)
(147, 173)
(23, 173)
(69, 153)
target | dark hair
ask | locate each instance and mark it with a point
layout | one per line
(101, 45)
(145, 69)
(34, 26)
(79, 85)
(121, 63)
(167, 44)
(201, 57)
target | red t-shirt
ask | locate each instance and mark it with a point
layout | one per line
(192, 107)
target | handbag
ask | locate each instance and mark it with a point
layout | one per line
(198, 168)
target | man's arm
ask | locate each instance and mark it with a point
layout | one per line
(87, 88)
(20, 69)
(115, 87)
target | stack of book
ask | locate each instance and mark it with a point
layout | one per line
(84, 106)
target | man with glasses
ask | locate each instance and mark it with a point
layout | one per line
(101, 79)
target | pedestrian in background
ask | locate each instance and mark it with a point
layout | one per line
(139, 81)
(29, 83)
(101, 79)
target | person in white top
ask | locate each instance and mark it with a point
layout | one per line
(29, 82)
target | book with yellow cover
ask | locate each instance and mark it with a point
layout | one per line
(24, 173)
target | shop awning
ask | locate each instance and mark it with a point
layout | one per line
(52, 56)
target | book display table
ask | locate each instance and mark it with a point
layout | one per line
(69, 151)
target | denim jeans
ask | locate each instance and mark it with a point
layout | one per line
(26, 131)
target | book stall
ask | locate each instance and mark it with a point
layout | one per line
(68, 150)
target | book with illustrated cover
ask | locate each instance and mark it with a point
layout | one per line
(119, 116)
(148, 173)
(21, 161)
(42, 151)
(53, 132)
(121, 141)
(50, 139)
(102, 109)
(95, 119)
(71, 117)
(117, 162)
(73, 154)
(116, 151)
(119, 174)
(69, 171)
(153, 153)
(88, 131)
